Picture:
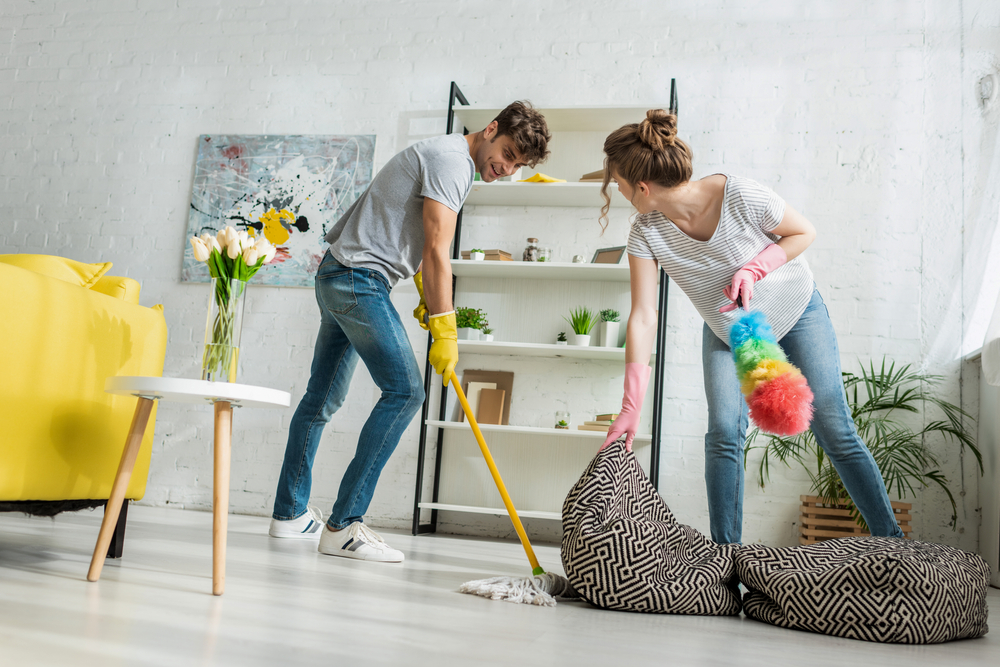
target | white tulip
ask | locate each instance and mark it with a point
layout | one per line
(201, 251)
(245, 240)
(250, 255)
(265, 249)
(233, 250)
(210, 242)
(226, 236)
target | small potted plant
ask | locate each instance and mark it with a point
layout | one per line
(486, 333)
(562, 419)
(561, 339)
(468, 321)
(608, 331)
(583, 320)
(477, 254)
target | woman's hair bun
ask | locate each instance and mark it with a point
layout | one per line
(659, 129)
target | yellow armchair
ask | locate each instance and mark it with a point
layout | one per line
(64, 329)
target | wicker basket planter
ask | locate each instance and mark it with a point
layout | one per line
(819, 521)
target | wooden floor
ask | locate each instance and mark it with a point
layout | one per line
(287, 605)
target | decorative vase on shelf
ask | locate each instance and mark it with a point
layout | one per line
(221, 356)
(468, 333)
(486, 337)
(478, 256)
(608, 335)
(582, 340)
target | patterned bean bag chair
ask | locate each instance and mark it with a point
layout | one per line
(873, 588)
(623, 549)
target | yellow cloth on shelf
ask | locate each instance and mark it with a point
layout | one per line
(542, 178)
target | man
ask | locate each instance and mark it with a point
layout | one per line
(403, 222)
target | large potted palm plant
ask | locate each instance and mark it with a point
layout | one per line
(877, 398)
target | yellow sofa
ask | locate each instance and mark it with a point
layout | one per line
(65, 328)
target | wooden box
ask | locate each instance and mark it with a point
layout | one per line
(819, 521)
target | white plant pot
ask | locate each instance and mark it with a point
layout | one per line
(467, 333)
(581, 340)
(562, 342)
(486, 337)
(608, 334)
(479, 256)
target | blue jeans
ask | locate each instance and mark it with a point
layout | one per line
(811, 345)
(358, 320)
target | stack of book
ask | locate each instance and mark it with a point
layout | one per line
(494, 255)
(593, 177)
(601, 423)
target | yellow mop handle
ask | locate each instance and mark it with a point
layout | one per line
(536, 568)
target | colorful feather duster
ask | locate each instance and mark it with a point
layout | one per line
(776, 392)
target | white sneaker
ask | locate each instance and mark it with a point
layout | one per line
(358, 541)
(306, 527)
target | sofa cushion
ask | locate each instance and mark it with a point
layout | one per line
(118, 287)
(623, 549)
(879, 589)
(61, 268)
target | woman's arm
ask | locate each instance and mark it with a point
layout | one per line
(641, 328)
(796, 233)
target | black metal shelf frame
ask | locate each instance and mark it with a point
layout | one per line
(455, 94)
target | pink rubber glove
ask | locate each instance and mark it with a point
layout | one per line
(768, 260)
(627, 423)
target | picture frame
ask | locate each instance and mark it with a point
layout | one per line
(608, 255)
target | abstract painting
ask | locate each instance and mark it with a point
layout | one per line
(290, 189)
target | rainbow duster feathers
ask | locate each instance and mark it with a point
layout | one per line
(776, 392)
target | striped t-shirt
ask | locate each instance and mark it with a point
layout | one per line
(703, 268)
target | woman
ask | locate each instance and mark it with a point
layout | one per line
(720, 238)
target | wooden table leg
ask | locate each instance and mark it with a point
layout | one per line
(132, 443)
(220, 495)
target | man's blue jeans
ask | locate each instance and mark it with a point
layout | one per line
(358, 320)
(811, 345)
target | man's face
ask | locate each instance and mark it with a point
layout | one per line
(497, 156)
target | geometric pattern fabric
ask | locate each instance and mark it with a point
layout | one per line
(623, 549)
(878, 589)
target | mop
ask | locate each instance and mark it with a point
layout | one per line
(542, 587)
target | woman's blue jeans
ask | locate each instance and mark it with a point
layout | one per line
(358, 320)
(811, 345)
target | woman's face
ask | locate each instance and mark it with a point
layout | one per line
(632, 193)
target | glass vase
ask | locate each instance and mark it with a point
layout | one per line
(223, 327)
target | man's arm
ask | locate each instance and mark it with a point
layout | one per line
(439, 230)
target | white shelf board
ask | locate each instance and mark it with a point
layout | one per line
(561, 119)
(541, 350)
(540, 270)
(527, 514)
(571, 432)
(512, 193)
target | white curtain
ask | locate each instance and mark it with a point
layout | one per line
(991, 349)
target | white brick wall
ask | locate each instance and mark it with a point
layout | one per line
(853, 111)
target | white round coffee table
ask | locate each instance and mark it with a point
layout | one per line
(223, 395)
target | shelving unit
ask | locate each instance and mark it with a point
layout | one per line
(571, 128)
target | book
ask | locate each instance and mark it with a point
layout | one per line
(605, 422)
(607, 416)
(593, 177)
(492, 254)
(589, 427)
(472, 395)
(490, 406)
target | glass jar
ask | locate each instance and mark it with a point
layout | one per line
(562, 419)
(545, 254)
(531, 252)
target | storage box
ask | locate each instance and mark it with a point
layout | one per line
(819, 521)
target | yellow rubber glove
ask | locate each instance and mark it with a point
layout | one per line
(420, 312)
(444, 350)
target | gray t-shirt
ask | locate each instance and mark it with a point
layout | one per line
(384, 228)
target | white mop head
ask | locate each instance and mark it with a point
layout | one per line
(541, 590)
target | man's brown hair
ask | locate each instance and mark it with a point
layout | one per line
(528, 130)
